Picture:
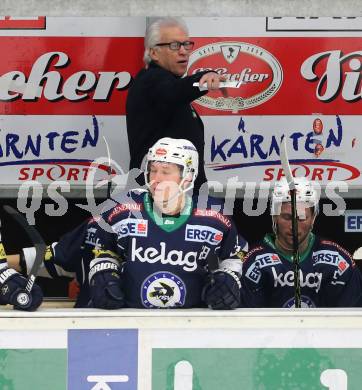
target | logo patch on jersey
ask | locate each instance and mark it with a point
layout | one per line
(163, 290)
(342, 266)
(305, 302)
(331, 258)
(91, 238)
(124, 207)
(213, 214)
(261, 261)
(312, 280)
(200, 233)
(149, 254)
(131, 227)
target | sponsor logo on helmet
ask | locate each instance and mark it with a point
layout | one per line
(262, 261)
(151, 255)
(162, 290)
(161, 152)
(131, 227)
(312, 280)
(200, 233)
(189, 147)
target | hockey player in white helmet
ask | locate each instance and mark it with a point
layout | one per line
(157, 253)
(328, 275)
(170, 172)
(307, 199)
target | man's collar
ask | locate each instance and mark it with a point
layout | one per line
(153, 64)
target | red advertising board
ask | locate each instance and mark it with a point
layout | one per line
(310, 74)
(67, 75)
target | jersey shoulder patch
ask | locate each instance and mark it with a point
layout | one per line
(253, 252)
(338, 247)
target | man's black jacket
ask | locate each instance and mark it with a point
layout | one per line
(159, 105)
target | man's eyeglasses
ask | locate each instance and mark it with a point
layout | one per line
(188, 45)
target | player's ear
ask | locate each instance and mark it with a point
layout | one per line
(153, 52)
(313, 220)
(187, 181)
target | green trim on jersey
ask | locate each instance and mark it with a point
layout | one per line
(169, 223)
(269, 239)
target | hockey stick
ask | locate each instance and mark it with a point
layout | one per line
(293, 194)
(109, 184)
(212, 263)
(24, 297)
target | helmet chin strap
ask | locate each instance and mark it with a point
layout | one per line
(178, 197)
(188, 188)
(180, 201)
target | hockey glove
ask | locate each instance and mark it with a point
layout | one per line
(12, 291)
(105, 285)
(222, 292)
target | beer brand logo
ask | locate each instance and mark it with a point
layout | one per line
(258, 71)
(44, 80)
(335, 73)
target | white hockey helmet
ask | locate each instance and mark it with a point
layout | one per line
(177, 151)
(305, 193)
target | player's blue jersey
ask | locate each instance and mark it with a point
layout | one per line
(328, 276)
(163, 258)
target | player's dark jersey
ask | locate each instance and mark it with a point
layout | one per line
(328, 276)
(164, 258)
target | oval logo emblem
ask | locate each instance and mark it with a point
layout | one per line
(259, 71)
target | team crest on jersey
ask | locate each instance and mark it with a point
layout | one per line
(305, 302)
(201, 233)
(163, 290)
(131, 227)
